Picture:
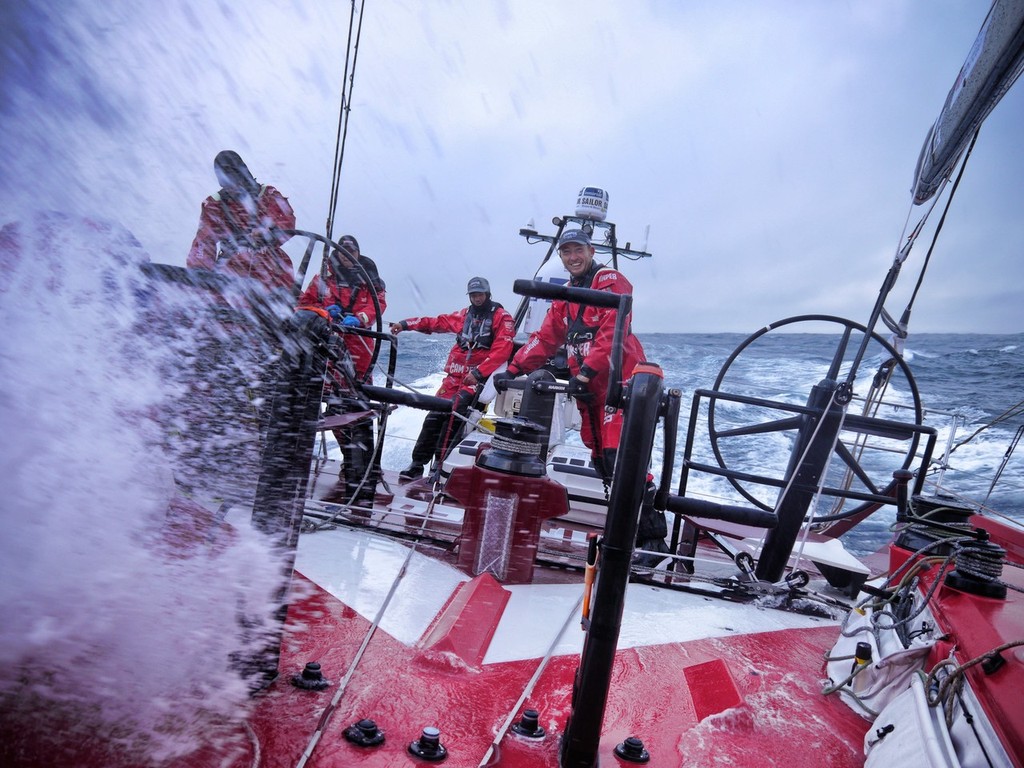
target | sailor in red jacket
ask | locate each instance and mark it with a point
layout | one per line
(484, 342)
(240, 227)
(587, 334)
(346, 288)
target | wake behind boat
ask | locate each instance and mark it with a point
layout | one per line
(493, 613)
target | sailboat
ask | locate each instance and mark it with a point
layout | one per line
(492, 613)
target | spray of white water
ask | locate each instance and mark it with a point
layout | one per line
(119, 605)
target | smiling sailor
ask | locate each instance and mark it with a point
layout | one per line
(587, 334)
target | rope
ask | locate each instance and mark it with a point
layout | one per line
(1009, 413)
(856, 669)
(807, 525)
(515, 446)
(872, 405)
(899, 329)
(946, 690)
(906, 585)
(986, 565)
(821, 481)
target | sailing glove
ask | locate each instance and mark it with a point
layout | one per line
(579, 389)
(501, 380)
(335, 312)
(350, 320)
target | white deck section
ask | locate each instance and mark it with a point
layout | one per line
(360, 568)
(652, 616)
(749, 539)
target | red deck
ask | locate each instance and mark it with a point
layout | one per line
(743, 700)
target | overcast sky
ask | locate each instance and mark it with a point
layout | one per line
(769, 146)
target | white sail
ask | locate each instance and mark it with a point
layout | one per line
(993, 64)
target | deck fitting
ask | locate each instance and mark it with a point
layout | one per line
(311, 679)
(632, 749)
(365, 733)
(529, 725)
(428, 746)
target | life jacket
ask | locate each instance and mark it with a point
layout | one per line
(353, 279)
(478, 327)
(579, 335)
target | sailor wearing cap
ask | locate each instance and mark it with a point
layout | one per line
(483, 343)
(576, 253)
(587, 333)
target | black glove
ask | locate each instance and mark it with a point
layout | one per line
(579, 389)
(502, 379)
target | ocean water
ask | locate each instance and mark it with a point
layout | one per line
(966, 381)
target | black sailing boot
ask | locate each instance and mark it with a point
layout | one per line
(651, 532)
(354, 453)
(433, 424)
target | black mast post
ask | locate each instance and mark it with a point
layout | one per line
(593, 677)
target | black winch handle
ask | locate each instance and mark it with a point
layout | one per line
(401, 397)
(538, 289)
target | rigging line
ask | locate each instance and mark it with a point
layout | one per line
(938, 228)
(899, 329)
(872, 405)
(530, 685)
(789, 483)
(1002, 465)
(904, 253)
(807, 524)
(344, 109)
(1009, 413)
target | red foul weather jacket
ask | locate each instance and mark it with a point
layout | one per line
(351, 292)
(587, 334)
(484, 342)
(241, 228)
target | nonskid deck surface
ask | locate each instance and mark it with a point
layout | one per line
(695, 679)
(691, 671)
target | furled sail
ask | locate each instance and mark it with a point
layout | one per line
(994, 63)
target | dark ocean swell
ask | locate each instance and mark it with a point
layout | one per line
(971, 379)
